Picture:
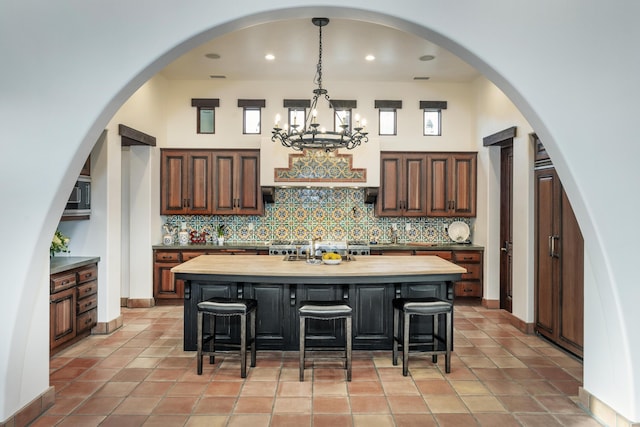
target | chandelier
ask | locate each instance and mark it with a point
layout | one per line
(311, 135)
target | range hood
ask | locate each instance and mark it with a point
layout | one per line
(283, 167)
(370, 194)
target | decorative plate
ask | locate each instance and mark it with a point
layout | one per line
(458, 231)
(332, 261)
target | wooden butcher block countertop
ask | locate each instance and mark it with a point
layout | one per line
(362, 266)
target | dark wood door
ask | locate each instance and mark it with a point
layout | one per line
(62, 317)
(185, 182)
(547, 220)
(571, 298)
(438, 172)
(165, 286)
(463, 184)
(414, 185)
(223, 178)
(372, 311)
(390, 196)
(273, 326)
(249, 196)
(506, 227)
(198, 183)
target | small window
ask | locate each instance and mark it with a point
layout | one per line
(387, 122)
(206, 120)
(251, 122)
(432, 122)
(340, 118)
(297, 116)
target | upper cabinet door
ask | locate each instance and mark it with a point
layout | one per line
(236, 182)
(402, 184)
(451, 184)
(185, 177)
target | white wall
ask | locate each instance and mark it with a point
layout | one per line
(540, 54)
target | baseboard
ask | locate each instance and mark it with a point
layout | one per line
(601, 411)
(137, 302)
(31, 410)
(492, 304)
(102, 328)
(527, 328)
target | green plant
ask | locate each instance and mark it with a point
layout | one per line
(220, 230)
(59, 243)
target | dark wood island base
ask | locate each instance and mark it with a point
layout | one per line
(368, 284)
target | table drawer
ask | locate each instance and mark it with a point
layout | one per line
(87, 289)
(61, 282)
(467, 289)
(87, 320)
(168, 256)
(474, 271)
(88, 303)
(465, 256)
(87, 274)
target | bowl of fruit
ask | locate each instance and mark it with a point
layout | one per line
(331, 258)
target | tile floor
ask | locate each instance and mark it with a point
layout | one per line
(139, 376)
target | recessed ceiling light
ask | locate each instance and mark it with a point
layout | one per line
(214, 76)
(370, 57)
(212, 56)
(427, 57)
(421, 78)
(269, 57)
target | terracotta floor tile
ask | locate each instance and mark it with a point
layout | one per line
(398, 388)
(117, 389)
(435, 387)
(82, 420)
(330, 389)
(242, 420)
(292, 405)
(455, 420)
(331, 405)
(493, 420)
(131, 374)
(290, 420)
(175, 405)
(407, 404)
(331, 420)
(207, 421)
(187, 389)
(166, 421)
(521, 404)
(499, 387)
(369, 405)
(356, 388)
(415, 420)
(144, 362)
(559, 404)
(469, 387)
(47, 421)
(65, 405)
(124, 421)
(98, 406)
(223, 388)
(215, 405)
(98, 374)
(575, 420)
(445, 404)
(368, 420)
(539, 387)
(67, 373)
(294, 388)
(254, 405)
(538, 420)
(134, 405)
(80, 388)
(483, 404)
(259, 388)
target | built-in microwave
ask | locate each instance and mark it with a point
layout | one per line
(79, 203)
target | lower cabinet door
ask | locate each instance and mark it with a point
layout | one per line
(273, 323)
(62, 317)
(372, 321)
(321, 333)
(87, 320)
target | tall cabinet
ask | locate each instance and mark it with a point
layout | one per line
(559, 262)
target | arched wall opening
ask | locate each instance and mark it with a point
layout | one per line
(123, 82)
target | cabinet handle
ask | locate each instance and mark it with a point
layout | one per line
(292, 295)
(552, 246)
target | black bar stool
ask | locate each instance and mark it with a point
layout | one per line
(326, 310)
(227, 307)
(434, 307)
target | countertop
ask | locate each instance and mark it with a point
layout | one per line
(363, 266)
(60, 264)
(418, 246)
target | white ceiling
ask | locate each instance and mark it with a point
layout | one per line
(295, 46)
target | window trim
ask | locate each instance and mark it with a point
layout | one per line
(424, 121)
(395, 121)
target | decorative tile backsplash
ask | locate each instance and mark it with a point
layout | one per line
(320, 166)
(327, 213)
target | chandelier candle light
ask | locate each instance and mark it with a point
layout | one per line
(311, 135)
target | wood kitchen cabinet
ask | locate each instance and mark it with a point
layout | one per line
(451, 184)
(236, 177)
(185, 182)
(559, 264)
(73, 305)
(471, 283)
(402, 184)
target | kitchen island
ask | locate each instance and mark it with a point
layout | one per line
(367, 283)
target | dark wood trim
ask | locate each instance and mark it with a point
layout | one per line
(343, 104)
(205, 102)
(503, 137)
(385, 103)
(260, 103)
(296, 103)
(434, 105)
(130, 136)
